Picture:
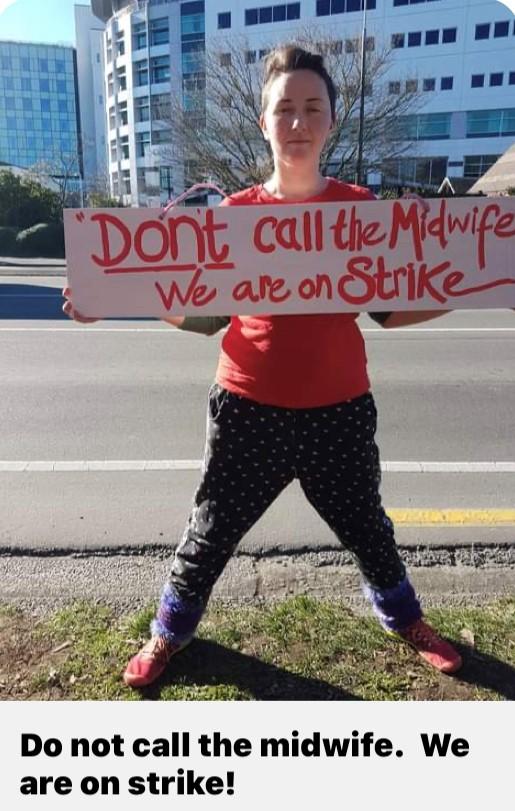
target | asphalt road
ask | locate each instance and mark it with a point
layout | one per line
(126, 391)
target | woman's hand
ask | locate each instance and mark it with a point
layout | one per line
(69, 310)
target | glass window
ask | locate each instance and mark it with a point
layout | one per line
(25, 64)
(43, 65)
(449, 35)
(512, 77)
(159, 31)
(5, 62)
(483, 31)
(352, 5)
(477, 80)
(193, 24)
(293, 11)
(397, 40)
(44, 85)
(124, 146)
(63, 106)
(159, 69)
(141, 109)
(139, 36)
(508, 122)
(433, 37)
(142, 143)
(27, 104)
(126, 181)
(501, 29)
(483, 123)
(429, 84)
(140, 73)
(121, 77)
(59, 64)
(61, 86)
(160, 107)
(122, 111)
(224, 20)
(446, 83)
(414, 38)
(162, 136)
(477, 165)
(265, 14)
(394, 87)
(9, 83)
(279, 13)
(323, 8)
(120, 43)
(411, 86)
(250, 57)
(496, 79)
(113, 152)
(110, 84)
(251, 16)
(434, 125)
(225, 60)
(26, 84)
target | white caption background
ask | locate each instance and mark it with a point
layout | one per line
(482, 778)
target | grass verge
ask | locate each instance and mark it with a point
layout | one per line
(294, 650)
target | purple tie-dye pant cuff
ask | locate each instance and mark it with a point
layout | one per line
(176, 619)
(396, 607)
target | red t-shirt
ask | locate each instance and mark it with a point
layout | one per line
(295, 361)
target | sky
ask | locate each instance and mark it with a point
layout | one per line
(39, 20)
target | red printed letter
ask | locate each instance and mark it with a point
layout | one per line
(108, 260)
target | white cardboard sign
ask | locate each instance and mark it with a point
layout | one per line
(325, 258)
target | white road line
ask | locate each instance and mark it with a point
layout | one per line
(173, 331)
(116, 465)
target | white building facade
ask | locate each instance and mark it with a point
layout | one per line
(89, 37)
(458, 54)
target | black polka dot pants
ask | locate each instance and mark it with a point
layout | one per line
(252, 453)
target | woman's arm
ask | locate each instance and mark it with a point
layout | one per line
(404, 319)
(203, 325)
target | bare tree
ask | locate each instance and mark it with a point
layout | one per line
(214, 121)
(61, 172)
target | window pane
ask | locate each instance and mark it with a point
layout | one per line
(501, 29)
(483, 31)
(449, 35)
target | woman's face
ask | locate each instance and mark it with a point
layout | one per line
(297, 118)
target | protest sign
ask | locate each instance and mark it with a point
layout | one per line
(301, 258)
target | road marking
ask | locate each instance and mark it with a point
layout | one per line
(448, 467)
(439, 518)
(174, 331)
(108, 465)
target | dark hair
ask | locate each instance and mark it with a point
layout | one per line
(289, 58)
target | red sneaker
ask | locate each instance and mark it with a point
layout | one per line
(431, 647)
(151, 661)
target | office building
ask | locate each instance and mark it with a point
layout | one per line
(89, 39)
(39, 116)
(457, 56)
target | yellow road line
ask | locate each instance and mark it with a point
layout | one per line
(462, 518)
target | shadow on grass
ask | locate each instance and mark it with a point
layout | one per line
(207, 663)
(484, 670)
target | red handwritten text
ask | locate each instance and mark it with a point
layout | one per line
(167, 238)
